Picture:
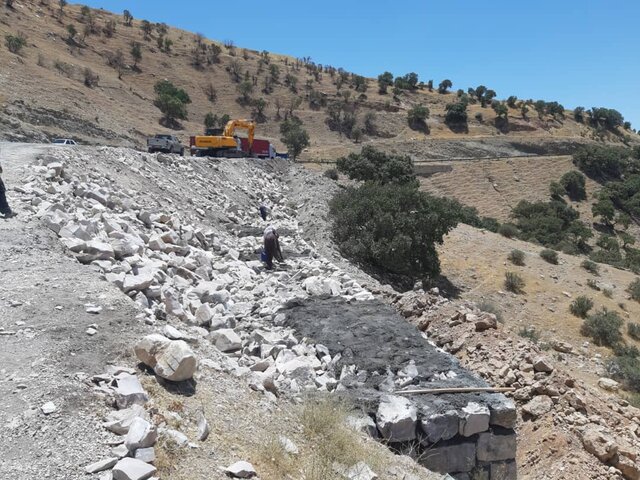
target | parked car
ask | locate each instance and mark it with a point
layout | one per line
(63, 141)
(164, 143)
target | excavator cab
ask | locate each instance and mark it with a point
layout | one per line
(223, 142)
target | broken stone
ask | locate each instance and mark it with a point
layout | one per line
(226, 340)
(541, 364)
(474, 419)
(599, 444)
(360, 471)
(397, 418)
(142, 434)
(538, 406)
(129, 391)
(608, 384)
(172, 360)
(146, 455)
(132, 469)
(48, 408)
(101, 465)
(241, 470)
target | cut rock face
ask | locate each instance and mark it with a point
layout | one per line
(171, 360)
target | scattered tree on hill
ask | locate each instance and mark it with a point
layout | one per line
(417, 117)
(171, 101)
(15, 43)
(245, 89)
(211, 92)
(294, 136)
(146, 28)
(524, 109)
(128, 18)
(210, 121)
(136, 53)
(85, 13)
(400, 238)
(90, 78)
(601, 162)
(573, 183)
(456, 115)
(540, 107)
(71, 32)
(444, 85)
(359, 83)
(604, 209)
(430, 85)
(370, 123)
(259, 105)
(371, 165)
(61, 5)
(109, 28)
(606, 117)
(511, 101)
(500, 108)
(116, 61)
(9, 3)
(578, 114)
(407, 82)
(385, 80)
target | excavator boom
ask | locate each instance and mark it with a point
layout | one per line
(248, 125)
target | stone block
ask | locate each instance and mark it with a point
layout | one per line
(460, 457)
(474, 419)
(494, 447)
(437, 427)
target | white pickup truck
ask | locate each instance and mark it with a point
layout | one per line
(164, 143)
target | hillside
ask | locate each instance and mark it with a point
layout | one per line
(44, 93)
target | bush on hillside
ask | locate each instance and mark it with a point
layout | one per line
(393, 228)
(591, 283)
(332, 173)
(580, 306)
(550, 256)
(625, 367)
(513, 282)
(456, 116)
(15, 43)
(385, 80)
(417, 116)
(634, 289)
(508, 230)
(294, 136)
(603, 327)
(590, 267)
(516, 257)
(601, 162)
(371, 165)
(171, 101)
(573, 184)
(633, 329)
(490, 307)
(552, 224)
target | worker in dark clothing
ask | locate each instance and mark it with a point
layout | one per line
(271, 247)
(5, 210)
(264, 211)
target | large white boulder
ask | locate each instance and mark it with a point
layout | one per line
(132, 469)
(226, 340)
(172, 360)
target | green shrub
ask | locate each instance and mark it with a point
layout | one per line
(376, 166)
(603, 327)
(607, 292)
(591, 283)
(15, 43)
(580, 306)
(549, 255)
(332, 173)
(508, 230)
(634, 289)
(513, 282)
(530, 333)
(490, 307)
(574, 184)
(171, 101)
(626, 368)
(516, 257)
(490, 223)
(591, 267)
(294, 136)
(550, 224)
(601, 162)
(417, 117)
(400, 238)
(633, 329)
(456, 115)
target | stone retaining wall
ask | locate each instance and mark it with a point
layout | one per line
(378, 353)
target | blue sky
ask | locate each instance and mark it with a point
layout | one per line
(577, 52)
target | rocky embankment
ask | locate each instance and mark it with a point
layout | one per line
(566, 429)
(181, 238)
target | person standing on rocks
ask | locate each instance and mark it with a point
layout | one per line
(271, 247)
(5, 210)
(264, 211)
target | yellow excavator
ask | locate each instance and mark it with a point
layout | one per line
(223, 142)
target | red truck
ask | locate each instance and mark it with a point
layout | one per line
(261, 148)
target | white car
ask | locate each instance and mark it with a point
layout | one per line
(63, 141)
